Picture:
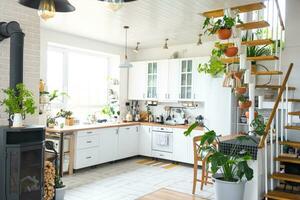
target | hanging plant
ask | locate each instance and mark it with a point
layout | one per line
(244, 103)
(223, 26)
(240, 90)
(231, 51)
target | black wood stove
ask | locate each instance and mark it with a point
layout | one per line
(21, 163)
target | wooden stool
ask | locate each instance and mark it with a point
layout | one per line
(198, 158)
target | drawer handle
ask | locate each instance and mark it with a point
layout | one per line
(89, 157)
(88, 142)
(89, 132)
(127, 128)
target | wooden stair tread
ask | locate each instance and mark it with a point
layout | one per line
(253, 25)
(228, 44)
(261, 73)
(294, 100)
(293, 128)
(239, 9)
(274, 87)
(290, 143)
(297, 113)
(286, 177)
(279, 195)
(256, 58)
(288, 159)
(257, 42)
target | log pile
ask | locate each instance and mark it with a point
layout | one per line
(49, 178)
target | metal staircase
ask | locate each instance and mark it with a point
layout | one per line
(267, 15)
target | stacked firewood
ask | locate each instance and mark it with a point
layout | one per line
(49, 178)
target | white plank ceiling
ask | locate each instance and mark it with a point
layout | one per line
(150, 21)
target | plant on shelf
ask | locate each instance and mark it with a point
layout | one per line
(227, 50)
(230, 171)
(244, 102)
(223, 26)
(18, 102)
(69, 120)
(108, 111)
(51, 122)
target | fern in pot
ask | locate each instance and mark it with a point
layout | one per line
(230, 171)
(18, 102)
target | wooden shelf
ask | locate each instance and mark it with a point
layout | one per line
(288, 159)
(262, 58)
(290, 143)
(265, 73)
(257, 42)
(294, 100)
(286, 177)
(297, 128)
(239, 9)
(257, 58)
(279, 195)
(253, 25)
(229, 44)
(297, 113)
(274, 87)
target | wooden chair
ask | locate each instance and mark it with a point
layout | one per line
(198, 158)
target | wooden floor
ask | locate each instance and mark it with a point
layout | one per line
(165, 194)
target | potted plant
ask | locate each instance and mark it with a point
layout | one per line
(244, 103)
(60, 188)
(50, 122)
(18, 102)
(108, 110)
(240, 90)
(230, 171)
(223, 26)
(231, 51)
(258, 126)
(247, 114)
(69, 120)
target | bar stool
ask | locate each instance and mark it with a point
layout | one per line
(198, 158)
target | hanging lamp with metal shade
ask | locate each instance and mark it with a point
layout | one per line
(126, 63)
(115, 5)
(48, 8)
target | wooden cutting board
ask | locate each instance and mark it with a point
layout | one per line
(165, 194)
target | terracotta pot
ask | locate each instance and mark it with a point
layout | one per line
(240, 90)
(247, 114)
(69, 121)
(238, 75)
(224, 33)
(245, 105)
(231, 51)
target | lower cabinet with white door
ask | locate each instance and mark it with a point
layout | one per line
(145, 139)
(128, 141)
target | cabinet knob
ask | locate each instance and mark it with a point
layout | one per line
(89, 157)
(89, 142)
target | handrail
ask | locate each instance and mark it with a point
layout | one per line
(280, 16)
(281, 90)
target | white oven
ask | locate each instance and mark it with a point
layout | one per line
(162, 139)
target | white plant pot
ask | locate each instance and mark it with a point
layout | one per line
(17, 120)
(60, 193)
(225, 190)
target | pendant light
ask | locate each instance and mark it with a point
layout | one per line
(126, 63)
(115, 5)
(166, 44)
(48, 8)
(137, 48)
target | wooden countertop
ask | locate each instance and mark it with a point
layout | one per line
(83, 127)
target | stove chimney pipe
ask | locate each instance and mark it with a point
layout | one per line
(13, 31)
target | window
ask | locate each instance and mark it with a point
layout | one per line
(83, 75)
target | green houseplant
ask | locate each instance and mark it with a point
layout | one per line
(230, 171)
(18, 102)
(222, 26)
(244, 102)
(67, 114)
(60, 188)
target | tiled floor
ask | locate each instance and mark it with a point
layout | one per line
(129, 180)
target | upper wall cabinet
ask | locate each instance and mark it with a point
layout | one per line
(200, 81)
(137, 81)
(186, 80)
(152, 80)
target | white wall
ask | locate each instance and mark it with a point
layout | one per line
(49, 36)
(30, 23)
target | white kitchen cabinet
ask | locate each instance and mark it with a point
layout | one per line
(86, 158)
(137, 81)
(200, 81)
(180, 146)
(108, 145)
(163, 80)
(145, 141)
(128, 141)
(173, 80)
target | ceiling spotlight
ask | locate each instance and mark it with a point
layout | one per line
(48, 8)
(200, 39)
(166, 44)
(137, 48)
(115, 5)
